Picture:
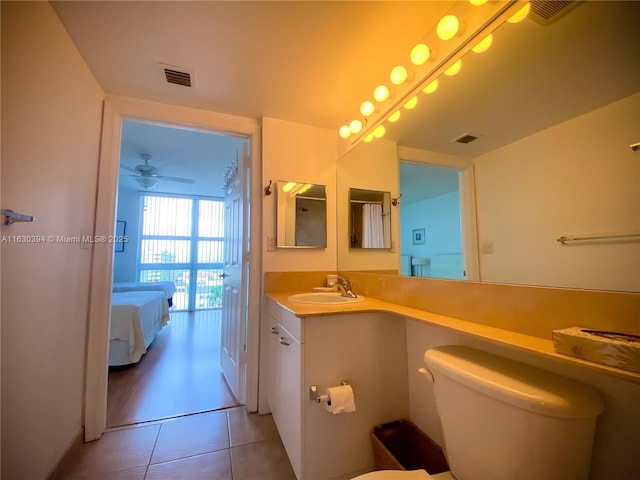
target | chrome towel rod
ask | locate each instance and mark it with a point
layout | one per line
(627, 236)
(10, 217)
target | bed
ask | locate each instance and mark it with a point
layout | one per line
(169, 288)
(136, 318)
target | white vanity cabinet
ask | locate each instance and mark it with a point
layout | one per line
(366, 349)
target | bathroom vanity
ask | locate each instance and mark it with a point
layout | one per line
(367, 349)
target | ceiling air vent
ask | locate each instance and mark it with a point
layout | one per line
(545, 12)
(177, 75)
(466, 138)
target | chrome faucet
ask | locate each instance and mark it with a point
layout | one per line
(344, 286)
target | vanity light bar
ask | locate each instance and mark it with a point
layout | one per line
(479, 42)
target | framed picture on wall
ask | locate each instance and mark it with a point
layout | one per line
(121, 227)
(418, 236)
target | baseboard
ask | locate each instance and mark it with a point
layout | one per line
(57, 471)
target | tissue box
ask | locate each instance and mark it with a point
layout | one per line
(609, 348)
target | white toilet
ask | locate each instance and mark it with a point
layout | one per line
(504, 420)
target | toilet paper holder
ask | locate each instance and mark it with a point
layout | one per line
(315, 396)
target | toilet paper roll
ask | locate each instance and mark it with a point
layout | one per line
(341, 400)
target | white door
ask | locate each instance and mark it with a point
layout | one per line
(233, 346)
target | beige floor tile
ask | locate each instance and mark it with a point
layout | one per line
(192, 435)
(114, 452)
(132, 474)
(266, 460)
(250, 427)
(210, 466)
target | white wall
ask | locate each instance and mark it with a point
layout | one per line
(305, 154)
(51, 120)
(369, 166)
(128, 210)
(575, 178)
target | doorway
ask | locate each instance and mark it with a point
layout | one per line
(174, 225)
(117, 111)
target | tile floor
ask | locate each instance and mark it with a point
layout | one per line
(222, 445)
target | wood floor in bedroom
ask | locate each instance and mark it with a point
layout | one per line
(179, 375)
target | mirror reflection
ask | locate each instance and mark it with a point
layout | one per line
(370, 218)
(301, 215)
(553, 122)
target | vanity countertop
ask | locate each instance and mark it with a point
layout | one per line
(534, 345)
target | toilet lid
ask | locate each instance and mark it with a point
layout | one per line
(394, 475)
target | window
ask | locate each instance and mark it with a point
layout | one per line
(182, 241)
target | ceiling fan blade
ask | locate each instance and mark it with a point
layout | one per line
(175, 179)
(124, 167)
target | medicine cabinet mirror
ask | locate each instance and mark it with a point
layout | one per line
(370, 219)
(301, 215)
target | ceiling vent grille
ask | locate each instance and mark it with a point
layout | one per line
(548, 11)
(177, 77)
(466, 138)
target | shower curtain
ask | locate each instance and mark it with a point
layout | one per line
(372, 231)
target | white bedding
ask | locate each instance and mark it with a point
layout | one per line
(169, 288)
(136, 317)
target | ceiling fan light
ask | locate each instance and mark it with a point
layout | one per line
(147, 182)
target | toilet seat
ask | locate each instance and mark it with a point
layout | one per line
(395, 475)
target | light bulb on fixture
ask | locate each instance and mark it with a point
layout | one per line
(379, 131)
(411, 103)
(394, 117)
(367, 108)
(399, 75)
(477, 3)
(381, 93)
(368, 138)
(420, 54)
(345, 131)
(454, 69)
(520, 14)
(484, 45)
(432, 87)
(448, 27)
(355, 126)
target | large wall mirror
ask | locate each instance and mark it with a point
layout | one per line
(301, 215)
(554, 107)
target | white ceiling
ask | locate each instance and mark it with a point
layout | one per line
(314, 62)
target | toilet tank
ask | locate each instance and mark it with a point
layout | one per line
(504, 420)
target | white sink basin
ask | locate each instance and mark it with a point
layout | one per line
(323, 298)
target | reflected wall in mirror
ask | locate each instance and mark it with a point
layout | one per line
(554, 122)
(301, 215)
(369, 219)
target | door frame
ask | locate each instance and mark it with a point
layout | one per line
(116, 109)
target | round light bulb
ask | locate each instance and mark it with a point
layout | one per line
(355, 126)
(368, 138)
(381, 93)
(345, 131)
(394, 117)
(484, 45)
(411, 103)
(454, 69)
(367, 108)
(477, 3)
(520, 14)
(432, 87)
(448, 27)
(379, 131)
(398, 75)
(420, 54)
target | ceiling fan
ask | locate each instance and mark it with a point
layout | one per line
(147, 175)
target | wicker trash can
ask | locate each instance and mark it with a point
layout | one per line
(400, 445)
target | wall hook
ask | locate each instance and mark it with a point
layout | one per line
(267, 189)
(396, 201)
